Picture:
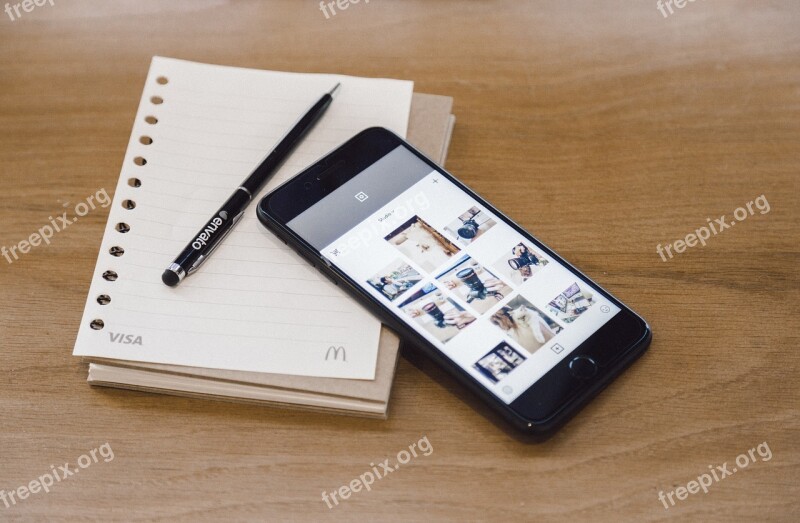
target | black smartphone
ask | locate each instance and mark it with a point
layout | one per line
(519, 326)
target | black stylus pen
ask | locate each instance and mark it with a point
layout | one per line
(226, 218)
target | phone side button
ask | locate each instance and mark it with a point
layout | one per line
(583, 367)
(326, 272)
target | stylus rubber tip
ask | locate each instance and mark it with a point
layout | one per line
(170, 278)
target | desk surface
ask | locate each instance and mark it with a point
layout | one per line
(604, 127)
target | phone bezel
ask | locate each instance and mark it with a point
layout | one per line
(547, 403)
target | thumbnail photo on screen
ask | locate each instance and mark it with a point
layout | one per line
(520, 263)
(395, 279)
(470, 226)
(571, 303)
(525, 324)
(499, 362)
(436, 313)
(423, 244)
(475, 284)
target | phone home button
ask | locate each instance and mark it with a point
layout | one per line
(583, 367)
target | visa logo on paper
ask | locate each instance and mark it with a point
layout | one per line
(126, 339)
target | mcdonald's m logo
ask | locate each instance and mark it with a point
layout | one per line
(336, 351)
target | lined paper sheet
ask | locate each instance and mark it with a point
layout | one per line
(254, 305)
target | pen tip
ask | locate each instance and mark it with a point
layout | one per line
(335, 88)
(170, 279)
(173, 275)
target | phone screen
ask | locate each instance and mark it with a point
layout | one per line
(482, 293)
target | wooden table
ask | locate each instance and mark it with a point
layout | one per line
(604, 127)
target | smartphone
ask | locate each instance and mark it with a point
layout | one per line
(515, 323)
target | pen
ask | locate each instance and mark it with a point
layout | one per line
(225, 219)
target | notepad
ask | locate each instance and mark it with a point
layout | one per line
(430, 127)
(254, 305)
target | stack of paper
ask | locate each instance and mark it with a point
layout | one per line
(256, 323)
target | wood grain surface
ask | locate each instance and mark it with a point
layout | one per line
(603, 127)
